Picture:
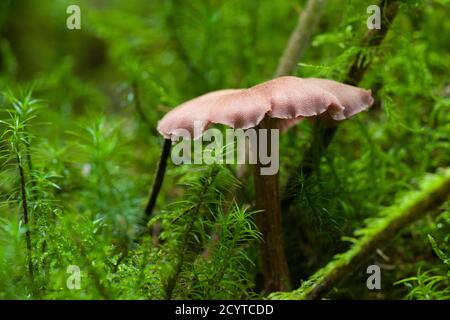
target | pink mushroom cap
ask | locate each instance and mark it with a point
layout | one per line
(287, 98)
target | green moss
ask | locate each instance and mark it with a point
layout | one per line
(402, 211)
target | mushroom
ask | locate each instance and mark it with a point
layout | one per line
(287, 98)
(276, 104)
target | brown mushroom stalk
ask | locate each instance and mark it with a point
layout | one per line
(267, 199)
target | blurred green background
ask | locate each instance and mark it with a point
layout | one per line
(101, 90)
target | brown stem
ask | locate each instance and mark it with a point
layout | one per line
(159, 177)
(275, 268)
(30, 168)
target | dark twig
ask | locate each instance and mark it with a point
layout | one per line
(159, 177)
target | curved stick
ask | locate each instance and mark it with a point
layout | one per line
(267, 198)
(159, 177)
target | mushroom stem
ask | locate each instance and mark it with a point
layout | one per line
(267, 197)
(159, 177)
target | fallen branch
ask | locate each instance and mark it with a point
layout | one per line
(433, 191)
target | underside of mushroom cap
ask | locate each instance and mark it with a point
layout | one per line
(288, 98)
